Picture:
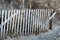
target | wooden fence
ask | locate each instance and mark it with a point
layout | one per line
(24, 22)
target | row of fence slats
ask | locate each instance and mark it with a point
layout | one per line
(25, 22)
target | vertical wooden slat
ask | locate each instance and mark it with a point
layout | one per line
(46, 17)
(43, 20)
(37, 22)
(21, 22)
(10, 21)
(34, 22)
(16, 20)
(30, 22)
(13, 23)
(5, 21)
(26, 21)
(40, 19)
(18, 16)
(2, 24)
(27, 28)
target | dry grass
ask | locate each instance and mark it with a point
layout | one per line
(1, 38)
(36, 32)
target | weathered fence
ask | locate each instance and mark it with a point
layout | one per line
(24, 22)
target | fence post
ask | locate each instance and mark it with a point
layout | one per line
(50, 22)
